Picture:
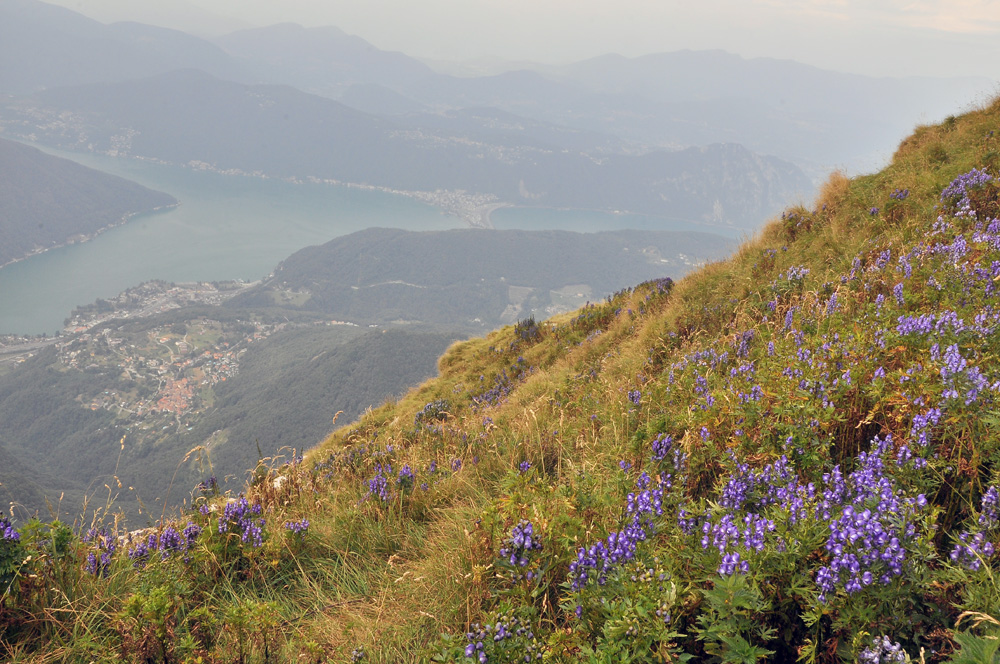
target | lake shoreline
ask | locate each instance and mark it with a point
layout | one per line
(222, 228)
(241, 228)
(81, 238)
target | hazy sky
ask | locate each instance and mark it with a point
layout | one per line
(879, 37)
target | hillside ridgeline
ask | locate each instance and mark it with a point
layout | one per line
(474, 278)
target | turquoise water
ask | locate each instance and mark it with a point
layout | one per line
(233, 227)
(226, 227)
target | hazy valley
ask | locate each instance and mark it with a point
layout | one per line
(315, 351)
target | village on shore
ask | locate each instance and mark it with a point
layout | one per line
(167, 370)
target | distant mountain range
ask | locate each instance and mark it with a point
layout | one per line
(45, 46)
(46, 201)
(324, 60)
(816, 118)
(608, 133)
(189, 117)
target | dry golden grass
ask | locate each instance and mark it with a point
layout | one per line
(833, 191)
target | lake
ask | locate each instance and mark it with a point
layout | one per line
(233, 227)
(226, 227)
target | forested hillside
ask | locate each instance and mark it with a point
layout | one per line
(473, 278)
(72, 428)
(46, 201)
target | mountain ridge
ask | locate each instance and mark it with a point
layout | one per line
(55, 46)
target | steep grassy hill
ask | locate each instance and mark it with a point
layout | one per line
(789, 455)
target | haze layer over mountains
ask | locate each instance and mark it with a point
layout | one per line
(611, 133)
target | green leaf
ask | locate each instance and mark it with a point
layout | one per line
(976, 649)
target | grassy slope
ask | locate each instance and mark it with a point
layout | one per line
(587, 401)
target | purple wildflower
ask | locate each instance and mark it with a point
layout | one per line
(989, 517)
(8, 533)
(105, 544)
(972, 550)
(518, 547)
(239, 517)
(882, 651)
(298, 527)
(406, 478)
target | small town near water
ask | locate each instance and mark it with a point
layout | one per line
(165, 372)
